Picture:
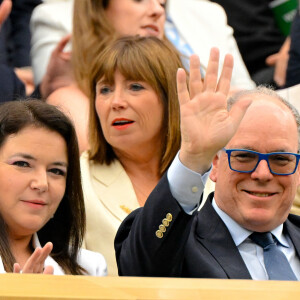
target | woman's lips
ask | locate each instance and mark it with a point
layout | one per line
(151, 29)
(122, 123)
(34, 203)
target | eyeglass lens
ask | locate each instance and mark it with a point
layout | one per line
(280, 163)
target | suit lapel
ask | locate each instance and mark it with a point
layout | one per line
(292, 227)
(215, 237)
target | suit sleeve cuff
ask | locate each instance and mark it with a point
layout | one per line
(186, 185)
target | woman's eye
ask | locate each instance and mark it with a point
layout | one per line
(57, 171)
(136, 87)
(21, 163)
(163, 4)
(104, 90)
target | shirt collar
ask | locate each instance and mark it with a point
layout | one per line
(240, 234)
(278, 233)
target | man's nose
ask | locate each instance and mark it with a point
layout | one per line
(262, 171)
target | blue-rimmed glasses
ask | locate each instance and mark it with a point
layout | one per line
(246, 161)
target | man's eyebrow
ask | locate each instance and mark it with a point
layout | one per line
(254, 149)
(243, 147)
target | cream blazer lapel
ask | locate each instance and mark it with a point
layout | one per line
(111, 186)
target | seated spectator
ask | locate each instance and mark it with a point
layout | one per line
(263, 47)
(134, 134)
(53, 20)
(15, 41)
(16, 83)
(11, 84)
(15, 35)
(42, 212)
(244, 230)
(195, 26)
(50, 22)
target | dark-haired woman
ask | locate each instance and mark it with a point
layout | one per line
(42, 216)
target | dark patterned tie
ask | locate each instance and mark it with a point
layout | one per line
(276, 263)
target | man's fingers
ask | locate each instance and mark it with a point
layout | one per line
(238, 110)
(211, 77)
(5, 9)
(182, 90)
(225, 78)
(195, 81)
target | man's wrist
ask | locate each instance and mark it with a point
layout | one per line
(197, 163)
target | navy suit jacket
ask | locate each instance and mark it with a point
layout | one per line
(198, 246)
(11, 88)
(15, 34)
(15, 49)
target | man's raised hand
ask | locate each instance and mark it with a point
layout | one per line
(206, 125)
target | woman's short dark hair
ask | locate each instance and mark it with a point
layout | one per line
(66, 229)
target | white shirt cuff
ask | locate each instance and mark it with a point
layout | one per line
(186, 185)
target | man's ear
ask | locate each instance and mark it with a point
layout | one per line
(214, 172)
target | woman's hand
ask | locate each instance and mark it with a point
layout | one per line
(59, 71)
(35, 263)
(206, 125)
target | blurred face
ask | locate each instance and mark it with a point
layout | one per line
(130, 114)
(137, 17)
(33, 169)
(259, 201)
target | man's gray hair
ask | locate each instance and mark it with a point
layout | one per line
(263, 90)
